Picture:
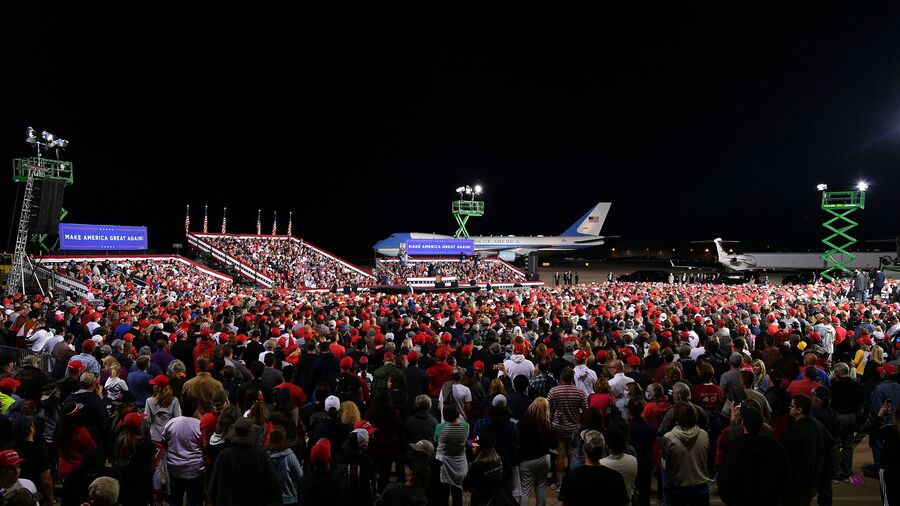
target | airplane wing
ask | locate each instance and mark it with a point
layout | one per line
(696, 267)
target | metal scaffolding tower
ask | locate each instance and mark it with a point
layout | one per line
(840, 205)
(29, 171)
(464, 208)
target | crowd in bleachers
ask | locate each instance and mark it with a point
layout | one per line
(499, 396)
(290, 264)
(482, 270)
(150, 277)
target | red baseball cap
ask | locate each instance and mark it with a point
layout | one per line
(9, 384)
(346, 363)
(580, 356)
(160, 379)
(320, 453)
(887, 369)
(9, 458)
(478, 365)
(133, 420)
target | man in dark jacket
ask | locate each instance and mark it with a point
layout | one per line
(93, 410)
(249, 462)
(320, 486)
(381, 375)
(326, 368)
(416, 378)
(750, 461)
(804, 444)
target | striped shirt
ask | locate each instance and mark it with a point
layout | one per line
(567, 403)
(451, 438)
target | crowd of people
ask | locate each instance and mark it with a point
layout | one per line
(595, 391)
(290, 264)
(482, 270)
(151, 277)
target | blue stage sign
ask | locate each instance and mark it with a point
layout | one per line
(75, 236)
(440, 247)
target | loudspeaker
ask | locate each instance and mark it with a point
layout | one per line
(45, 218)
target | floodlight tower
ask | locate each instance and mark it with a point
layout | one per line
(30, 171)
(465, 208)
(840, 205)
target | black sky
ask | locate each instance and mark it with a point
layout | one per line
(696, 121)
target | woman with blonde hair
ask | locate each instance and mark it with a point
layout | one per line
(536, 439)
(161, 407)
(862, 354)
(349, 413)
(497, 387)
(114, 386)
(760, 376)
(876, 360)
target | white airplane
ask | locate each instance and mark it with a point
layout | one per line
(791, 261)
(584, 233)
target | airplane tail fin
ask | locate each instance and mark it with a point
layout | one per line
(720, 251)
(590, 223)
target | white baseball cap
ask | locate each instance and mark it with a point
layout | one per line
(332, 402)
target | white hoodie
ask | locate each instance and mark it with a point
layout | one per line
(516, 365)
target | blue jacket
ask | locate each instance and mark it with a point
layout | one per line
(289, 473)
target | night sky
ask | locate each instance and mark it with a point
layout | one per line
(695, 122)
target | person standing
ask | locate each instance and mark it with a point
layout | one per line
(567, 403)
(536, 439)
(584, 485)
(241, 465)
(804, 444)
(184, 456)
(750, 460)
(684, 451)
(847, 399)
(451, 438)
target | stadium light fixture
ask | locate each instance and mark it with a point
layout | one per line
(47, 136)
(30, 138)
(822, 187)
(478, 189)
(862, 186)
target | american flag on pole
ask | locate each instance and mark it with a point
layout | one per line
(205, 218)
(290, 218)
(187, 219)
(259, 222)
(224, 209)
(275, 223)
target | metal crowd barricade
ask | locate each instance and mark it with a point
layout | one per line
(20, 354)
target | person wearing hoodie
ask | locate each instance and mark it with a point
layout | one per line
(286, 465)
(381, 375)
(585, 377)
(420, 424)
(684, 452)
(354, 466)
(517, 365)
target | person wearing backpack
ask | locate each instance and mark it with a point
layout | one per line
(454, 392)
